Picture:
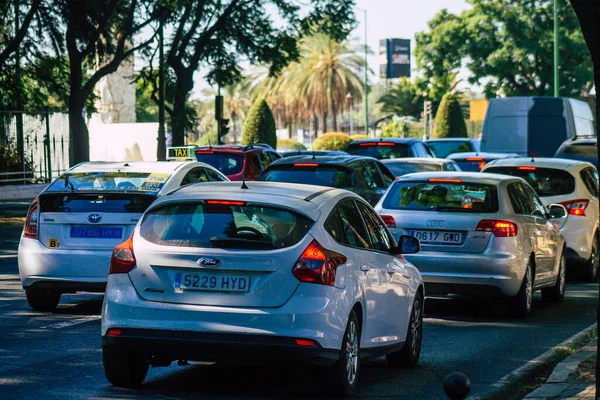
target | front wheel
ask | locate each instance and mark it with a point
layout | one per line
(556, 293)
(124, 369)
(42, 299)
(522, 303)
(410, 353)
(344, 372)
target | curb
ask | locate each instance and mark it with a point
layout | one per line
(503, 387)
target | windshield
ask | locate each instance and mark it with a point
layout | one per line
(442, 196)
(321, 176)
(443, 148)
(402, 168)
(378, 151)
(255, 227)
(545, 181)
(146, 182)
(228, 164)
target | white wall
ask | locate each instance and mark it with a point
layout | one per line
(122, 142)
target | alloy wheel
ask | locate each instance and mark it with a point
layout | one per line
(528, 289)
(351, 352)
(561, 275)
(416, 324)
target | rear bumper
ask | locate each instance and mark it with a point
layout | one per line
(69, 270)
(172, 345)
(493, 274)
(579, 236)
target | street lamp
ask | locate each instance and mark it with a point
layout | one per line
(349, 97)
(556, 91)
(366, 91)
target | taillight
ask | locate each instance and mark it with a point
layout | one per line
(389, 221)
(576, 207)
(123, 259)
(31, 222)
(498, 228)
(318, 265)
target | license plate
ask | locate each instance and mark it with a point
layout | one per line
(210, 282)
(437, 237)
(96, 232)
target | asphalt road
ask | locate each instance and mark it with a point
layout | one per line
(57, 355)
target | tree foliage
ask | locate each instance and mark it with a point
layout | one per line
(332, 141)
(405, 98)
(259, 125)
(507, 46)
(449, 120)
(289, 145)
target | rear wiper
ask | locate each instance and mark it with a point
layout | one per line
(242, 243)
(69, 184)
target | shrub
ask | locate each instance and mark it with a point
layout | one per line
(360, 137)
(259, 125)
(332, 141)
(449, 120)
(394, 130)
(289, 145)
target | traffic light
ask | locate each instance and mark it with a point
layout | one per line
(428, 107)
(224, 127)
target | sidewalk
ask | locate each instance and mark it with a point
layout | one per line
(563, 383)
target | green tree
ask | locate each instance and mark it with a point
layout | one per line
(146, 110)
(259, 125)
(507, 46)
(403, 99)
(449, 120)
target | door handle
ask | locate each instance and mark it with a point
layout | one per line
(364, 267)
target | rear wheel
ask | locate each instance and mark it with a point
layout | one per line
(410, 353)
(124, 369)
(344, 372)
(42, 299)
(522, 303)
(556, 293)
(590, 272)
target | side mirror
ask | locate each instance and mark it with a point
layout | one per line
(408, 245)
(557, 211)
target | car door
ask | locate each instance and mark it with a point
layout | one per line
(371, 275)
(396, 295)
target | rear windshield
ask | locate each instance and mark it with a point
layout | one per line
(321, 176)
(545, 181)
(444, 197)
(90, 202)
(228, 164)
(443, 148)
(470, 166)
(248, 227)
(402, 168)
(376, 150)
(146, 182)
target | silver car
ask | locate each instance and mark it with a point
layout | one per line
(483, 234)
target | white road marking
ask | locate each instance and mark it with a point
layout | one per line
(72, 322)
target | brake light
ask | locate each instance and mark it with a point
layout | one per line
(31, 222)
(473, 159)
(225, 202)
(498, 228)
(306, 165)
(388, 144)
(527, 168)
(318, 265)
(123, 259)
(205, 152)
(371, 144)
(444, 180)
(306, 343)
(113, 332)
(576, 207)
(389, 221)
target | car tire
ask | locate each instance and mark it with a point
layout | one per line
(522, 303)
(42, 299)
(344, 373)
(124, 369)
(556, 293)
(409, 355)
(590, 270)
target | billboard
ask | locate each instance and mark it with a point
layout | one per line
(394, 58)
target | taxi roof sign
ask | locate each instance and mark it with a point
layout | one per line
(181, 153)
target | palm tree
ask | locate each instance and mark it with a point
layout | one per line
(403, 99)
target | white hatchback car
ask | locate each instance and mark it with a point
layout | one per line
(74, 224)
(263, 272)
(573, 184)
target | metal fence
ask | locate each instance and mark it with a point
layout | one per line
(45, 152)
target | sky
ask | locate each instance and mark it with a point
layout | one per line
(385, 19)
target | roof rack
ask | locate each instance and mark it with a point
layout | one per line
(257, 145)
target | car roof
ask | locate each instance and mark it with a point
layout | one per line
(343, 161)
(307, 199)
(416, 160)
(131, 166)
(450, 140)
(481, 154)
(582, 139)
(232, 148)
(388, 140)
(559, 163)
(485, 178)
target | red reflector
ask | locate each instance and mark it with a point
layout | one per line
(576, 207)
(205, 152)
(306, 343)
(389, 221)
(498, 228)
(123, 259)
(318, 265)
(527, 168)
(473, 159)
(444, 180)
(113, 332)
(225, 202)
(306, 165)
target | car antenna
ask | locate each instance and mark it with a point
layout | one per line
(313, 153)
(532, 155)
(244, 186)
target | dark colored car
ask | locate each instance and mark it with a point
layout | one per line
(313, 152)
(579, 148)
(403, 166)
(238, 162)
(365, 176)
(389, 148)
(444, 147)
(474, 162)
